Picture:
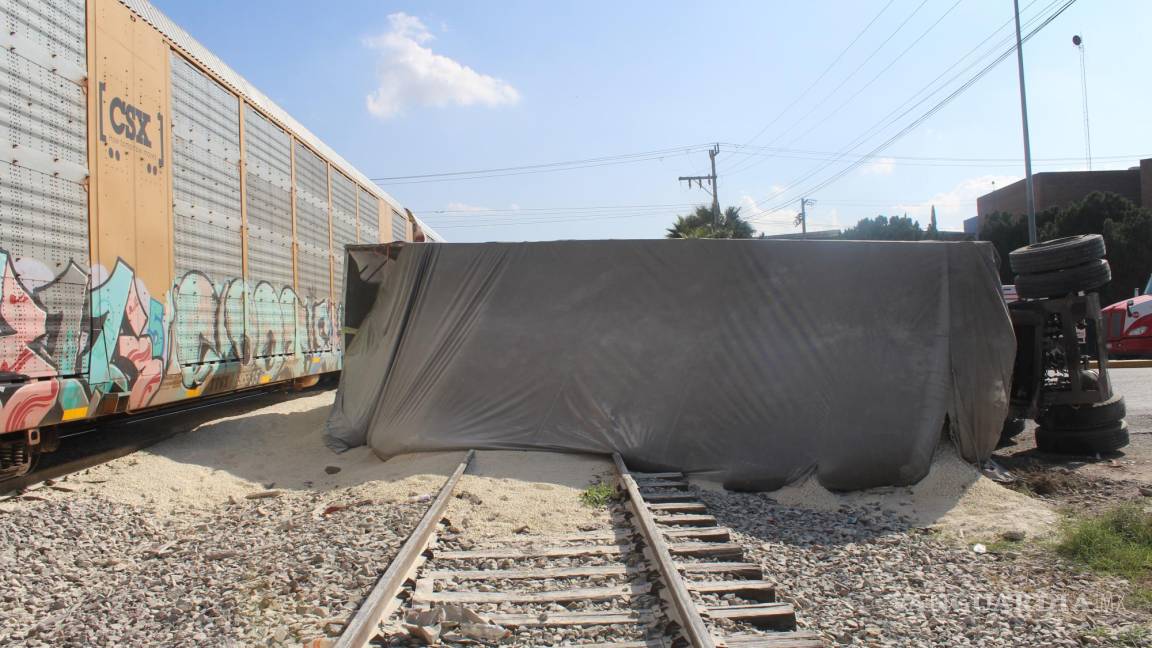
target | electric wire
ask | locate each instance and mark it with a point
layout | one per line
(928, 90)
(921, 119)
(546, 167)
(823, 74)
(853, 73)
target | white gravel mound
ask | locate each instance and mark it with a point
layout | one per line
(277, 447)
(507, 490)
(954, 498)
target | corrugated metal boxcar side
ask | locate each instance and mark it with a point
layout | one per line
(166, 231)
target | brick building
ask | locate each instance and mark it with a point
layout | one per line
(1060, 188)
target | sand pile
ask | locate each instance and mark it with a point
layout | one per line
(955, 498)
(277, 447)
(505, 491)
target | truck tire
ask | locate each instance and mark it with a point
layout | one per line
(1058, 283)
(1083, 442)
(1057, 254)
(1088, 415)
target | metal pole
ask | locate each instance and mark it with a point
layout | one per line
(1029, 196)
(804, 217)
(715, 188)
(1079, 42)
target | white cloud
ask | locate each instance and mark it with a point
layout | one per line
(777, 222)
(956, 204)
(464, 207)
(879, 166)
(782, 221)
(411, 74)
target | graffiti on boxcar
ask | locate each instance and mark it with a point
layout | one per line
(76, 344)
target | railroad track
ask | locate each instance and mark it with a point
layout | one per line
(91, 443)
(662, 575)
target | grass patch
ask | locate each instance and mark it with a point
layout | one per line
(1002, 546)
(598, 495)
(1139, 636)
(1118, 542)
(1133, 637)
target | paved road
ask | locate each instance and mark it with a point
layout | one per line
(1136, 387)
(1133, 462)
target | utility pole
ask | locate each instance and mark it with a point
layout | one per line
(711, 179)
(1030, 197)
(715, 189)
(802, 217)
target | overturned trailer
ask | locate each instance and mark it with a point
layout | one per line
(752, 362)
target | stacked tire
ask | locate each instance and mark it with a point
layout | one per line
(1088, 429)
(1060, 267)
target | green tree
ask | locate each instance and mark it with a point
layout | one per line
(931, 233)
(701, 224)
(1005, 232)
(884, 228)
(1127, 231)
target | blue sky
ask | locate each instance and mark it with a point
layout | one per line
(407, 88)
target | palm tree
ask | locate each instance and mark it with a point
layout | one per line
(701, 224)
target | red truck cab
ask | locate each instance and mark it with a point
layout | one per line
(1129, 326)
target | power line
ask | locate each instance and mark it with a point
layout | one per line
(851, 74)
(514, 218)
(823, 74)
(488, 217)
(867, 85)
(919, 120)
(911, 160)
(473, 210)
(928, 89)
(544, 221)
(546, 167)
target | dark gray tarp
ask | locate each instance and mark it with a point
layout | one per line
(753, 362)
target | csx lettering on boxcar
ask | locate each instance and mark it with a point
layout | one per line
(214, 262)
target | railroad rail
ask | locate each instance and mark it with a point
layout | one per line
(662, 575)
(93, 442)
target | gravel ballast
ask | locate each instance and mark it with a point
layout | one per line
(82, 571)
(864, 577)
(246, 531)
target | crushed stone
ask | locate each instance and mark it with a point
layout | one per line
(954, 498)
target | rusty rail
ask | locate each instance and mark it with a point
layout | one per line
(683, 607)
(362, 627)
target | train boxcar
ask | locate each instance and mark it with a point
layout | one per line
(166, 231)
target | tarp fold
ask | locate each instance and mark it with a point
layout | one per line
(751, 362)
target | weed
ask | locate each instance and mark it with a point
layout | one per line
(1002, 546)
(598, 495)
(1130, 637)
(1134, 636)
(1119, 542)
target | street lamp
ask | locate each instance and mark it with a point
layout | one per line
(1079, 43)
